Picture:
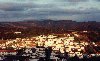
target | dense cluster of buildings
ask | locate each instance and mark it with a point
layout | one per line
(58, 44)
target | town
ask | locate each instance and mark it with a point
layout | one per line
(57, 46)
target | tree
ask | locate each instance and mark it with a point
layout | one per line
(48, 52)
(20, 52)
(66, 55)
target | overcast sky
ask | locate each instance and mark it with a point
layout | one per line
(78, 10)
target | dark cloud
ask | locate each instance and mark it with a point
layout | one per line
(77, 0)
(97, 0)
(78, 10)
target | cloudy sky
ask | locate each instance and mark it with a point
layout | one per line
(77, 10)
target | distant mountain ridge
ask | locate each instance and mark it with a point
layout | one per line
(51, 25)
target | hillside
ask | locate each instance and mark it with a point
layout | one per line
(35, 27)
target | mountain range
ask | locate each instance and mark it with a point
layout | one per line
(61, 25)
